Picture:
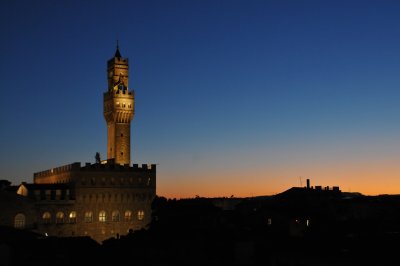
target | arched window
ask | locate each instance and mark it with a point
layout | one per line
(72, 217)
(60, 217)
(115, 216)
(46, 217)
(19, 221)
(102, 216)
(128, 216)
(88, 217)
(140, 215)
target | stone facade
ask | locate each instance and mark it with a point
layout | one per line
(101, 200)
(13, 207)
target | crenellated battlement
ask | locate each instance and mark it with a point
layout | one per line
(117, 61)
(58, 170)
(120, 167)
(96, 166)
(67, 173)
(128, 94)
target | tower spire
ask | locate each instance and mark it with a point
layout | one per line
(117, 53)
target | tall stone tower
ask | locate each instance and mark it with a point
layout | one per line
(119, 109)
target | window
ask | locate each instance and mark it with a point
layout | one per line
(140, 215)
(115, 216)
(46, 217)
(128, 216)
(60, 217)
(72, 217)
(19, 221)
(88, 217)
(48, 194)
(102, 216)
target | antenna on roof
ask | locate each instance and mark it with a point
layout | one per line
(301, 182)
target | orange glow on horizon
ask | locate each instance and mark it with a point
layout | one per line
(366, 178)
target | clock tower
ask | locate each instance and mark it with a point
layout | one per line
(119, 109)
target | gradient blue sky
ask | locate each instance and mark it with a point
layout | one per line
(232, 97)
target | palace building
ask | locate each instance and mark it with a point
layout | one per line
(101, 200)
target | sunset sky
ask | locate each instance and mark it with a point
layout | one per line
(233, 97)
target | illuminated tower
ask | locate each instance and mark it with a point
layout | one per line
(119, 109)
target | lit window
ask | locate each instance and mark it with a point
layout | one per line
(269, 221)
(60, 217)
(115, 216)
(140, 215)
(102, 216)
(46, 217)
(128, 216)
(88, 217)
(19, 221)
(72, 217)
(308, 222)
(22, 191)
